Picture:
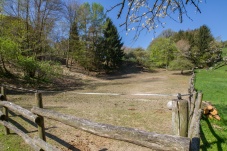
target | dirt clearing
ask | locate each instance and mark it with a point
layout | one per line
(121, 100)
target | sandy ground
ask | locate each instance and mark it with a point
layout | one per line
(136, 100)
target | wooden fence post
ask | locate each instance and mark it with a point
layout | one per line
(40, 123)
(180, 117)
(5, 109)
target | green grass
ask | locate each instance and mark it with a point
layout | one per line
(213, 84)
(12, 142)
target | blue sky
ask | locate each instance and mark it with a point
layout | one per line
(214, 15)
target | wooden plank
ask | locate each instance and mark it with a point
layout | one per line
(41, 128)
(24, 136)
(147, 139)
(18, 109)
(45, 146)
(180, 117)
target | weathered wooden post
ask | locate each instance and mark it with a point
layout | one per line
(194, 128)
(40, 123)
(180, 117)
(5, 109)
(192, 106)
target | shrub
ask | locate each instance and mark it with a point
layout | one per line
(39, 70)
(181, 64)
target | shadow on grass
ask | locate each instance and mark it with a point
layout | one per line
(23, 118)
(51, 136)
(206, 145)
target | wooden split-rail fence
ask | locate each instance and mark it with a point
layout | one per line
(186, 115)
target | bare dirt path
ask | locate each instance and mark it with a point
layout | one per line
(145, 112)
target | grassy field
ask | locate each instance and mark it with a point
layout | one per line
(12, 142)
(213, 84)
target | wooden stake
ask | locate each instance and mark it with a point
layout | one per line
(180, 117)
(41, 128)
(5, 109)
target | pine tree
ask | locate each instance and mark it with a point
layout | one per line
(112, 46)
(73, 43)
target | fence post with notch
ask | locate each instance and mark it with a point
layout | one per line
(180, 116)
(41, 128)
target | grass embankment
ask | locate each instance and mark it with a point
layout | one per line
(213, 84)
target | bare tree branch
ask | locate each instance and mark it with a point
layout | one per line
(147, 14)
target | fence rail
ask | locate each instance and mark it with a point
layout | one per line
(186, 115)
(147, 139)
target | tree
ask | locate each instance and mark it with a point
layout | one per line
(166, 33)
(147, 14)
(40, 15)
(162, 52)
(90, 25)
(199, 46)
(183, 46)
(181, 63)
(205, 49)
(204, 37)
(74, 41)
(8, 52)
(112, 46)
(70, 11)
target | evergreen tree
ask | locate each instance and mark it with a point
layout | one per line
(204, 38)
(112, 45)
(73, 41)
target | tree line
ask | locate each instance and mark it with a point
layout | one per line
(180, 50)
(36, 32)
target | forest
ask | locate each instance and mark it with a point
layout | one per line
(36, 34)
(38, 37)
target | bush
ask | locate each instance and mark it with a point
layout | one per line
(181, 64)
(39, 70)
(28, 65)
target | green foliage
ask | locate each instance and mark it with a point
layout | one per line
(8, 53)
(28, 65)
(162, 52)
(213, 84)
(202, 49)
(90, 21)
(8, 48)
(224, 53)
(181, 63)
(38, 70)
(112, 46)
(139, 56)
